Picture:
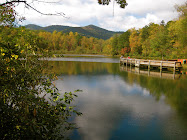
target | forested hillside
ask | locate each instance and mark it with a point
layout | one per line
(88, 31)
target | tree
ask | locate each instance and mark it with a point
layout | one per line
(183, 24)
(134, 40)
(30, 105)
(115, 45)
(108, 46)
(124, 43)
(122, 3)
(150, 48)
(8, 15)
(28, 5)
(160, 42)
(144, 33)
(72, 40)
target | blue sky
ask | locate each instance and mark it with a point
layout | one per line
(137, 14)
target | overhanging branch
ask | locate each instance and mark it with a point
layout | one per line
(49, 14)
(28, 5)
(14, 1)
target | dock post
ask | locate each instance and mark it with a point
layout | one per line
(174, 70)
(149, 66)
(148, 72)
(126, 64)
(173, 74)
(135, 63)
(161, 69)
(161, 66)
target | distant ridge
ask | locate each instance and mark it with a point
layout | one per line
(89, 31)
(55, 27)
(33, 27)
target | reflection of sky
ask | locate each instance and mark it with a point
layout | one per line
(86, 59)
(113, 109)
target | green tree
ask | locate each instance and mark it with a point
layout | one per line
(135, 44)
(122, 3)
(124, 43)
(8, 15)
(144, 33)
(182, 31)
(30, 105)
(160, 42)
(108, 47)
(115, 45)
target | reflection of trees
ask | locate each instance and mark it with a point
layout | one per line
(174, 91)
(74, 68)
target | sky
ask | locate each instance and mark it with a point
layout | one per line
(78, 13)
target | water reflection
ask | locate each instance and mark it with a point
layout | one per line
(86, 59)
(152, 73)
(111, 103)
(121, 105)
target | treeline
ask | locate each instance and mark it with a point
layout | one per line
(59, 42)
(154, 40)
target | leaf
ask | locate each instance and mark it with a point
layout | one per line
(78, 90)
(18, 127)
(34, 112)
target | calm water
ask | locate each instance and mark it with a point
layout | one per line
(121, 105)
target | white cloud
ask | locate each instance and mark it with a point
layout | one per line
(114, 23)
(81, 13)
(104, 96)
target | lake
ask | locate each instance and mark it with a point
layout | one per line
(118, 104)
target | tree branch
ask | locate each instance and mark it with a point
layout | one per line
(14, 1)
(122, 3)
(49, 14)
(28, 5)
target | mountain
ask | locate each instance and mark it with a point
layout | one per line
(52, 28)
(33, 27)
(89, 31)
(100, 32)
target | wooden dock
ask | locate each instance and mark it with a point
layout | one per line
(151, 63)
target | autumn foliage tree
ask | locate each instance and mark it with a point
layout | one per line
(8, 15)
(31, 107)
(162, 41)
